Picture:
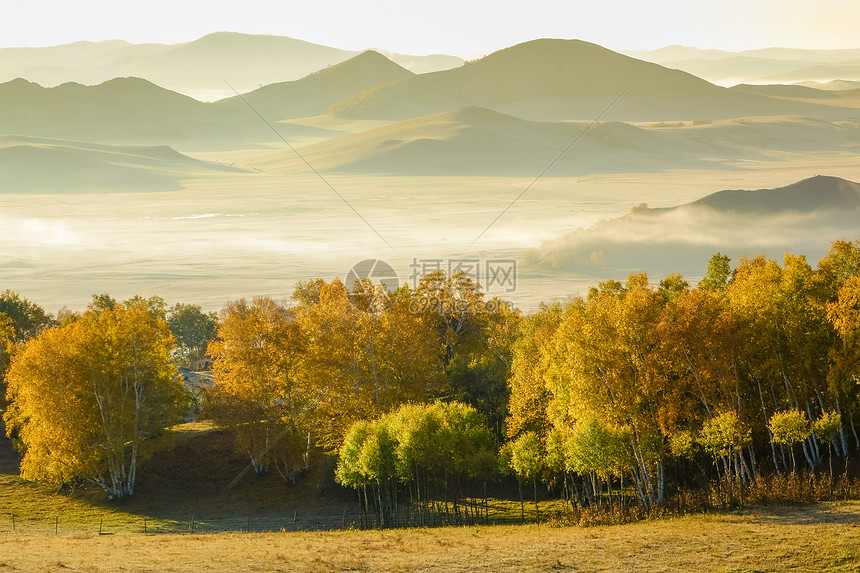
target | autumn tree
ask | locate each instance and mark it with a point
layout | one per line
(843, 376)
(90, 400)
(7, 336)
(531, 359)
(787, 339)
(475, 336)
(366, 353)
(257, 392)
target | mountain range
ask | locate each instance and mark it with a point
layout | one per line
(766, 65)
(198, 68)
(510, 113)
(564, 79)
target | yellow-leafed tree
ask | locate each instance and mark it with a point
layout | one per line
(257, 393)
(92, 399)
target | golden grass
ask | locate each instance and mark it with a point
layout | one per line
(812, 538)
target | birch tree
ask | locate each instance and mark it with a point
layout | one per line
(257, 393)
(90, 400)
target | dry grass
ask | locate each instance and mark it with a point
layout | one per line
(813, 538)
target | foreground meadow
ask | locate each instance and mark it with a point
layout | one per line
(809, 538)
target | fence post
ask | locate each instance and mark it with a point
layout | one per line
(192, 524)
(56, 524)
(294, 520)
(13, 523)
(101, 523)
(144, 526)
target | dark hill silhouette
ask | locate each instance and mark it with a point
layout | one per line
(562, 79)
(802, 217)
(313, 94)
(816, 193)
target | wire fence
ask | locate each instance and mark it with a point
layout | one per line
(473, 512)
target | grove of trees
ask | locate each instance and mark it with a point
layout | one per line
(622, 398)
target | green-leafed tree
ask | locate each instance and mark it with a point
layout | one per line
(28, 319)
(193, 329)
(789, 427)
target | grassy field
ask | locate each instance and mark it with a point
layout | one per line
(815, 538)
(94, 535)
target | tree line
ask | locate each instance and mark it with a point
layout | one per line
(625, 396)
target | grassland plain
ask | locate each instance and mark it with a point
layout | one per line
(810, 538)
(823, 537)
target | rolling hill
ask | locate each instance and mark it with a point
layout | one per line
(563, 79)
(35, 165)
(479, 141)
(313, 94)
(802, 217)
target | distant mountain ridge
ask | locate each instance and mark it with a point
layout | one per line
(562, 79)
(195, 68)
(757, 66)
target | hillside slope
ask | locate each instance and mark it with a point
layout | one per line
(479, 141)
(34, 165)
(313, 94)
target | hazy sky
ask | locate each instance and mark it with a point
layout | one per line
(458, 27)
